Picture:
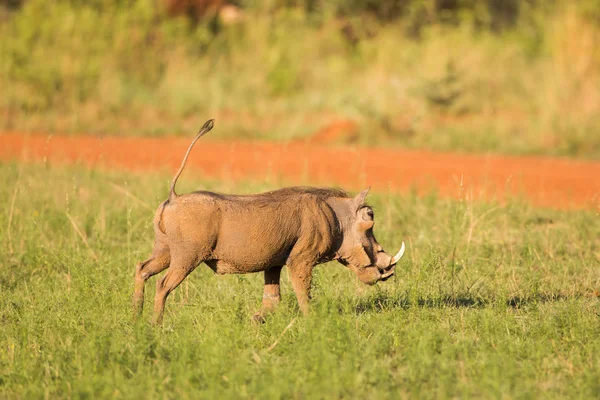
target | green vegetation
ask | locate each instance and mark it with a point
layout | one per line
(408, 74)
(490, 300)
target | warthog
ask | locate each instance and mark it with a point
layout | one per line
(236, 234)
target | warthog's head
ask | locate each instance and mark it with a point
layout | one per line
(359, 249)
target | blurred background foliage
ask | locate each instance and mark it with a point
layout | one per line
(498, 75)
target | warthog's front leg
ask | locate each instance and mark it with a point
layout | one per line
(271, 294)
(301, 277)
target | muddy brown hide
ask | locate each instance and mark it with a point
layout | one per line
(299, 227)
(241, 234)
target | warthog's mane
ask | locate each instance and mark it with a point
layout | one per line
(278, 195)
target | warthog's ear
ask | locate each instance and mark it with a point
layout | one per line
(359, 199)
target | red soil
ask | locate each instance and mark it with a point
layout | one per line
(547, 182)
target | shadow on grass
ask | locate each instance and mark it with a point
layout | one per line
(539, 298)
(385, 302)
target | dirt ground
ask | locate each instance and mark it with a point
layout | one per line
(546, 182)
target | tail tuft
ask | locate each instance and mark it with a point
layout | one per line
(208, 125)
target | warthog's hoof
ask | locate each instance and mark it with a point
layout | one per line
(258, 319)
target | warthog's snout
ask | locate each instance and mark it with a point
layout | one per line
(382, 270)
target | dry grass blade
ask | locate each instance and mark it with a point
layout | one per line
(10, 214)
(133, 196)
(82, 236)
(275, 343)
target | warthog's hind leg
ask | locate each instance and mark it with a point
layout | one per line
(271, 294)
(143, 271)
(179, 269)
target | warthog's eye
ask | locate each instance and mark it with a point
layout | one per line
(367, 213)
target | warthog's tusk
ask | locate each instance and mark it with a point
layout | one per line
(398, 256)
(388, 274)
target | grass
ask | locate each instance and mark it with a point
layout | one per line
(490, 301)
(280, 74)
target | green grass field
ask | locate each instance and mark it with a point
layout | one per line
(490, 301)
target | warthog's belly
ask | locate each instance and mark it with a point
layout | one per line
(225, 267)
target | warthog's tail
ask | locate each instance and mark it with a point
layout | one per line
(208, 125)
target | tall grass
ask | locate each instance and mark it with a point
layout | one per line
(282, 74)
(490, 301)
